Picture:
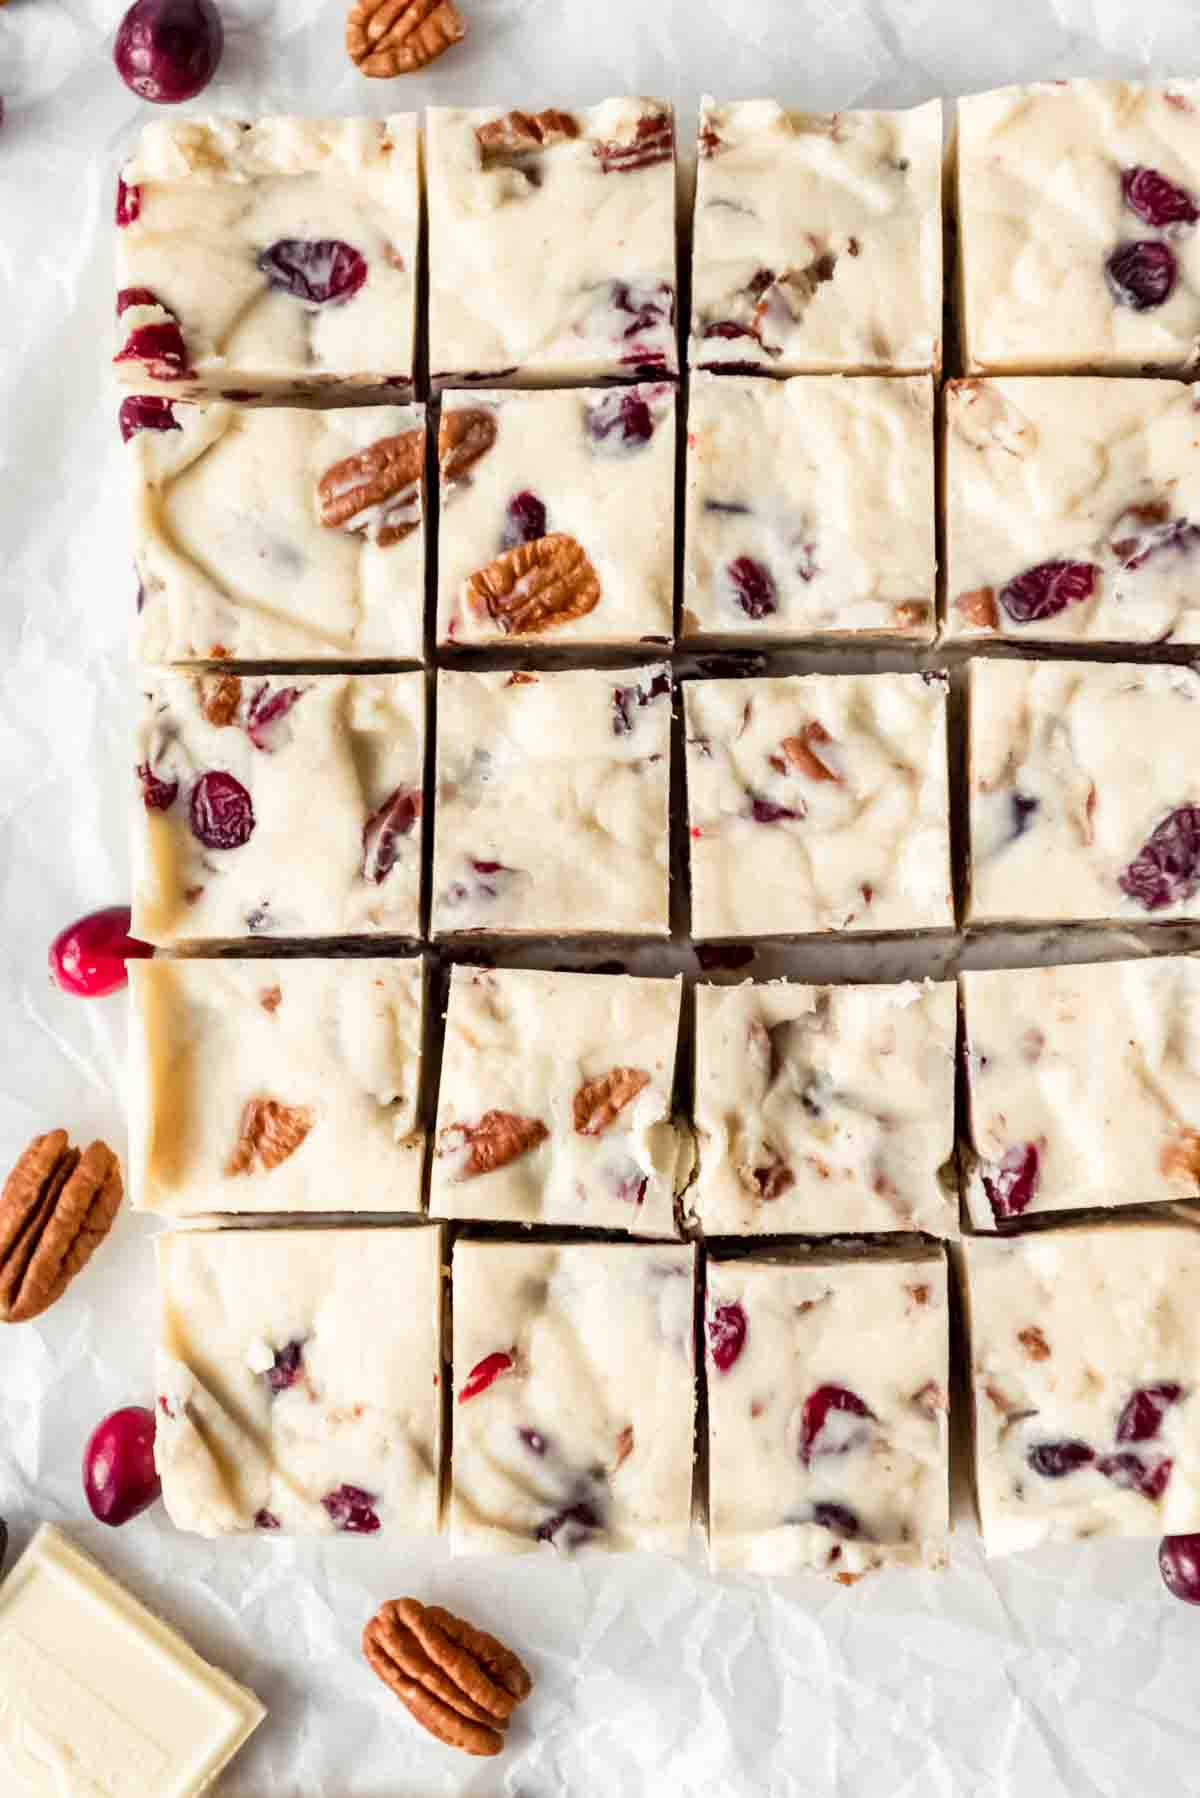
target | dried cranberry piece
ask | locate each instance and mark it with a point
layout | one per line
(1149, 1478)
(266, 1520)
(157, 795)
(534, 1441)
(1179, 1564)
(146, 412)
(1166, 869)
(383, 830)
(320, 271)
(817, 1407)
(648, 307)
(1141, 275)
(726, 1335)
(621, 419)
(160, 348)
(1013, 1182)
(1143, 1411)
(631, 1188)
(840, 1520)
(728, 327)
(1023, 807)
(774, 1179)
(765, 811)
(129, 203)
(168, 50)
(1047, 590)
(220, 811)
(266, 709)
(628, 699)
(571, 1526)
(1177, 534)
(484, 1372)
(753, 588)
(524, 520)
(1156, 200)
(88, 958)
(352, 1510)
(286, 1368)
(120, 1479)
(653, 142)
(1055, 1460)
(137, 296)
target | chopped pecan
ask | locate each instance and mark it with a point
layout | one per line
(978, 608)
(395, 37)
(269, 1133)
(798, 752)
(270, 998)
(464, 435)
(460, 1684)
(377, 491)
(624, 1447)
(653, 141)
(919, 1294)
(498, 1138)
(523, 134)
(1034, 1343)
(599, 1102)
(911, 614)
(535, 586)
(1180, 1159)
(56, 1208)
(219, 697)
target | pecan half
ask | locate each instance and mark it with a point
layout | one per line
(464, 435)
(523, 134)
(653, 141)
(978, 608)
(269, 1133)
(56, 1208)
(798, 752)
(395, 37)
(460, 1684)
(498, 1138)
(377, 491)
(598, 1103)
(535, 586)
(219, 697)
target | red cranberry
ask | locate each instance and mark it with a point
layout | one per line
(753, 588)
(647, 307)
(266, 1520)
(1143, 1411)
(88, 957)
(726, 1335)
(352, 1510)
(728, 327)
(136, 296)
(168, 50)
(1156, 200)
(1023, 807)
(1047, 590)
(146, 412)
(626, 700)
(524, 521)
(534, 1441)
(266, 709)
(773, 1179)
(620, 420)
(1055, 1460)
(220, 812)
(287, 1367)
(129, 203)
(157, 795)
(1179, 1564)
(483, 1373)
(1141, 275)
(383, 830)
(817, 1407)
(1013, 1182)
(320, 271)
(160, 348)
(571, 1526)
(1166, 869)
(1135, 551)
(1149, 1478)
(119, 1476)
(765, 811)
(840, 1520)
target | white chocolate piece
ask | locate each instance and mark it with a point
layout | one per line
(818, 240)
(551, 265)
(298, 1380)
(817, 803)
(574, 1397)
(810, 508)
(1043, 207)
(235, 559)
(1084, 792)
(552, 802)
(100, 1696)
(822, 1109)
(828, 1394)
(601, 466)
(207, 199)
(296, 819)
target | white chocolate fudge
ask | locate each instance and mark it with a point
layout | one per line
(810, 509)
(1077, 214)
(1084, 792)
(828, 1395)
(818, 240)
(278, 257)
(818, 803)
(574, 1397)
(277, 532)
(555, 1104)
(551, 243)
(275, 1085)
(1085, 1363)
(299, 1378)
(552, 802)
(557, 516)
(822, 1109)
(280, 806)
(1069, 510)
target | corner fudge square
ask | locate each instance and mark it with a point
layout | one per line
(818, 803)
(818, 240)
(282, 806)
(1084, 792)
(552, 802)
(276, 1086)
(299, 1376)
(574, 1397)
(557, 516)
(551, 243)
(810, 508)
(277, 257)
(828, 1400)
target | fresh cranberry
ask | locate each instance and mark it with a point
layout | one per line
(1141, 275)
(266, 709)
(286, 1368)
(534, 1441)
(524, 520)
(571, 1526)
(840, 1520)
(1179, 1564)
(320, 271)
(160, 348)
(119, 1476)
(726, 1335)
(817, 1407)
(1143, 1411)
(1149, 1478)
(1166, 869)
(622, 419)
(753, 588)
(157, 795)
(1012, 1184)
(352, 1510)
(129, 202)
(765, 811)
(1156, 200)
(88, 957)
(266, 1520)
(168, 50)
(383, 830)
(484, 1372)
(1047, 590)
(146, 412)
(628, 699)
(220, 811)
(1055, 1460)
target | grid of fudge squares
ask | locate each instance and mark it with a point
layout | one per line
(825, 1109)
(828, 1398)
(810, 508)
(277, 532)
(1084, 792)
(557, 516)
(551, 243)
(552, 797)
(277, 257)
(818, 240)
(278, 806)
(1078, 203)
(1085, 1346)
(574, 1396)
(299, 1376)
(818, 803)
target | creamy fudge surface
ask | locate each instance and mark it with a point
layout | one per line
(824, 1108)
(574, 1396)
(1077, 213)
(810, 508)
(552, 802)
(279, 255)
(1085, 1361)
(828, 1394)
(279, 806)
(818, 239)
(817, 803)
(557, 515)
(1084, 792)
(555, 1103)
(551, 242)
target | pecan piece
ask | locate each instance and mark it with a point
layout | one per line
(219, 698)
(653, 141)
(911, 614)
(798, 752)
(1034, 1343)
(1180, 1159)
(377, 491)
(269, 1133)
(395, 37)
(498, 1138)
(460, 1683)
(463, 437)
(523, 134)
(599, 1102)
(56, 1208)
(978, 608)
(535, 586)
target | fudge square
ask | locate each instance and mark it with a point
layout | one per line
(818, 803)
(574, 1396)
(278, 256)
(299, 1377)
(557, 516)
(1077, 210)
(1069, 509)
(285, 806)
(555, 1104)
(1084, 792)
(818, 240)
(1085, 1365)
(551, 243)
(825, 1108)
(275, 1085)
(810, 509)
(828, 1395)
(552, 802)
(277, 532)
